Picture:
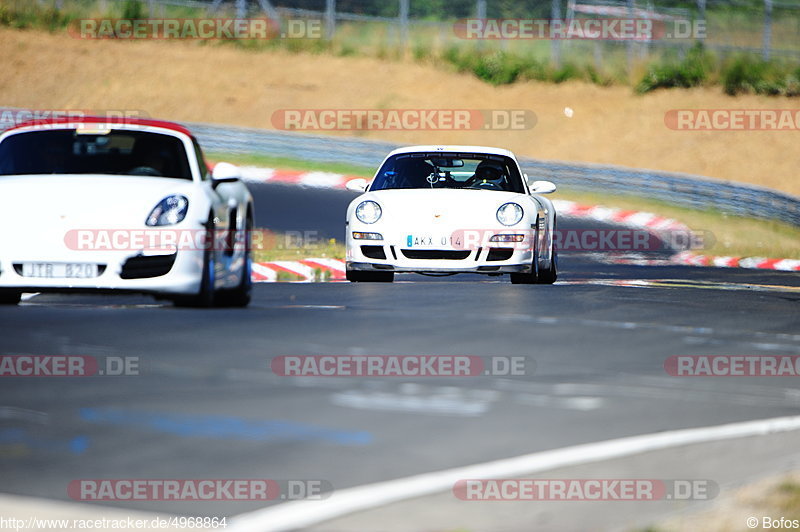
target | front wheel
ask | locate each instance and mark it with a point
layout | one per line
(538, 276)
(355, 276)
(549, 275)
(241, 295)
(205, 298)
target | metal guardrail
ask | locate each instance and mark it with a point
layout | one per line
(681, 189)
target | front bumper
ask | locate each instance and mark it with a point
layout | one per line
(385, 256)
(177, 273)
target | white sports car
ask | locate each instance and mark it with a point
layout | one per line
(440, 210)
(105, 204)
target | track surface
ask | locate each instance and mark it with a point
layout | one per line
(206, 404)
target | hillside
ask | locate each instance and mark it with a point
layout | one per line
(222, 84)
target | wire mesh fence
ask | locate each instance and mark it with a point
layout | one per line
(766, 28)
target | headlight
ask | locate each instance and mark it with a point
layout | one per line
(507, 238)
(367, 236)
(509, 214)
(368, 212)
(169, 211)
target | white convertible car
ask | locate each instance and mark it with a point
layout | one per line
(121, 205)
(440, 210)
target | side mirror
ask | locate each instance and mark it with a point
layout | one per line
(541, 187)
(357, 185)
(225, 173)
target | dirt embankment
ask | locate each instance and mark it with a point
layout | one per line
(211, 83)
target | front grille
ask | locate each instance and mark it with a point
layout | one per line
(142, 267)
(499, 254)
(435, 254)
(373, 252)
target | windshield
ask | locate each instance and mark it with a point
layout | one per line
(449, 170)
(117, 152)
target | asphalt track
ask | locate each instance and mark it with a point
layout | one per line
(206, 404)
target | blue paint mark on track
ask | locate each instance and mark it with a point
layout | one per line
(225, 427)
(76, 445)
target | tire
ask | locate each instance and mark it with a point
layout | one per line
(241, 295)
(538, 276)
(206, 298)
(369, 277)
(10, 297)
(549, 275)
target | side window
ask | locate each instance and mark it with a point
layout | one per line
(205, 173)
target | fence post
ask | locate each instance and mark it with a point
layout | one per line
(480, 14)
(403, 23)
(629, 43)
(767, 45)
(330, 19)
(268, 8)
(555, 44)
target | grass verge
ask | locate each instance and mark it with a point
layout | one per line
(733, 235)
(287, 163)
(269, 246)
(526, 61)
(773, 497)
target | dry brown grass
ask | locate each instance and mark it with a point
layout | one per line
(222, 84)
(773, 497)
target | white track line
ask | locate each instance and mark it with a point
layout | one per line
(299, 514)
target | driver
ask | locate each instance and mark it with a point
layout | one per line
(489, 174)
(151, 158)
(416, 172)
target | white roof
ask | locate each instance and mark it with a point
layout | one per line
(459, 149)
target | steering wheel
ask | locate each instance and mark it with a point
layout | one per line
(481, 184)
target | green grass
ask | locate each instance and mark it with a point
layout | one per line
(692, 71)
(287, 163)
(270, 246)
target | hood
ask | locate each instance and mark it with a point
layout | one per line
(38, 210)
(466, 209)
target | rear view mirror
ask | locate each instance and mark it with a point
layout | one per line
(541, 187)
(225, 173)
(442, 162)
(357, 185)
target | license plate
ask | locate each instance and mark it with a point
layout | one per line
(436, 242)
(59, 270)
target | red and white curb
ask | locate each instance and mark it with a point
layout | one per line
(655, 223)
(759, 263)
(294, 177)
(305, 269)
(635, 219)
